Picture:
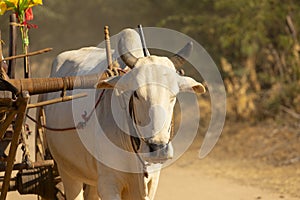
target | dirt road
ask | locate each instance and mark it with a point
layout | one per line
(178, 183)
(193, 179)
(248, 163)
(181, 183)
(237, 169)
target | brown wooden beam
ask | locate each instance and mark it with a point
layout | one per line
(38, 164)
(22, 102)
(12, 46)
(57, 100)
(27, 54)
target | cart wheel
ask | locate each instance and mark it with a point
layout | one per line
(42, 153)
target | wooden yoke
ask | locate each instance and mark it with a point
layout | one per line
(55, 84)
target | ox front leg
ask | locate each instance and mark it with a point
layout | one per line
(73, 188)
(109, 183)
(109, 188)
(90, 193)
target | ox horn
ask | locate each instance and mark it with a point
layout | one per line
(180, 58)
(128, 58)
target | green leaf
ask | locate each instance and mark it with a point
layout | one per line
(9, 4)
(23, 6)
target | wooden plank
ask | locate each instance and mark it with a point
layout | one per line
(22, 102)
(38, 164)
(40, 139)
(9, 118)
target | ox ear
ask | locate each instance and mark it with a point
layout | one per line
(187, 84)
(109, 83)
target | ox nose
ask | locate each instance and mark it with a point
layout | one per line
(161, 151)
(155, 147)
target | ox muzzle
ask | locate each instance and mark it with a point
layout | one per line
(159, 153)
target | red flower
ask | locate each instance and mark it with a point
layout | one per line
(28, 14)
(28, 17)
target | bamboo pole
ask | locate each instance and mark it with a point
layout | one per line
(28, 54)
(27, 70)
(24, 31)
(57, 100)
(12, 46)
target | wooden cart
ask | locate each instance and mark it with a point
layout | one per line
(41, 176)
(38, 177)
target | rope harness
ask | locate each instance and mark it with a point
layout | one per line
(86, 118)
(135, 140)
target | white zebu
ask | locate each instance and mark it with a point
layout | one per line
(151, 107)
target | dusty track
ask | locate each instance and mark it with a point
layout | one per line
(248, 163)
(204, 180)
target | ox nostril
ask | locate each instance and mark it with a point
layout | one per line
(154, 147)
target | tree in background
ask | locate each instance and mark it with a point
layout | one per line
(255, 43)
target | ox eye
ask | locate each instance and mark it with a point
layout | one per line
(135, 95)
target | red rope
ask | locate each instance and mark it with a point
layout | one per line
(80, 125)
